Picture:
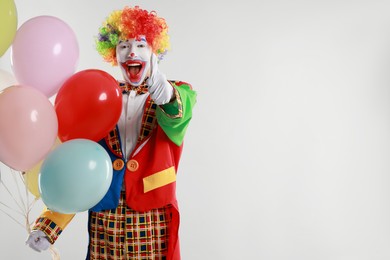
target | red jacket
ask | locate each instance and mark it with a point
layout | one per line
(150, 172)
(150, 181)
(150, 177)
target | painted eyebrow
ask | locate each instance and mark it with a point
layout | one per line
(141, 39)
(123, 41)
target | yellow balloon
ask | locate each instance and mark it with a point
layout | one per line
(31, 179)
(8, 24)
(31, 176)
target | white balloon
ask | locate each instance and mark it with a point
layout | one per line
(6, 79)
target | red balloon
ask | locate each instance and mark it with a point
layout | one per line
(88, 105)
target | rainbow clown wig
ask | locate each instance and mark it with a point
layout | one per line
(131, 23)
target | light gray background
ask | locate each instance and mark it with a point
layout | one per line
(287, 156)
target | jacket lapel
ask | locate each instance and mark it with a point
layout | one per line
(148, 120)
(113, 142)
(147, 126)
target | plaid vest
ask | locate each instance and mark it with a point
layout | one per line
(149, 174)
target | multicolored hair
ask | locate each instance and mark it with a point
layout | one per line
(131, 23)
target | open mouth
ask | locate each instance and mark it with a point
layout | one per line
(134, 69)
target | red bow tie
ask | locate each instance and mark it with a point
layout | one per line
(141, 89)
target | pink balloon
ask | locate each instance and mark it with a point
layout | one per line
(28, 127)
(44, 54)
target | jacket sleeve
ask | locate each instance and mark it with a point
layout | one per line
(175, 116)
(52, 223)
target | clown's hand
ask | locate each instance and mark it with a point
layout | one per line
(161, 91)
(38, 241)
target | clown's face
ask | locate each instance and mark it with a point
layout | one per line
(133, 56)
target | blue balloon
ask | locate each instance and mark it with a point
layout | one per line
(75, 176)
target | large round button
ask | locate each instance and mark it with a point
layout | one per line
(118, 164)
(132, 165)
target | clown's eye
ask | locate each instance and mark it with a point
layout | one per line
(141, 45)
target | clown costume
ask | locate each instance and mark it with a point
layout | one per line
(138, 218)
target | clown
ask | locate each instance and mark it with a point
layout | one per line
(138, 218)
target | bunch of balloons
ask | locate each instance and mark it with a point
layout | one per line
(54, 145)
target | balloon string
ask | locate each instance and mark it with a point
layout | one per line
(8, 207)
(55, 255)
(25, 205)
(28, 223)
(9, 192)
(12, 217)
(32, 205)
(28, 206)
(23, 202)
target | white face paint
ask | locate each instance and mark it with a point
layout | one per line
(133, 56)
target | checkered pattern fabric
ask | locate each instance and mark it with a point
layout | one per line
(113, 141)
(141, 89)
(51, 229)
(148, 124)
(123, 233)
(179, 106)
(148, 120)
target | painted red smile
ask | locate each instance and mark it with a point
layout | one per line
(134, 69)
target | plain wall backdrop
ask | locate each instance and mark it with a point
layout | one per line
(288, 153)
